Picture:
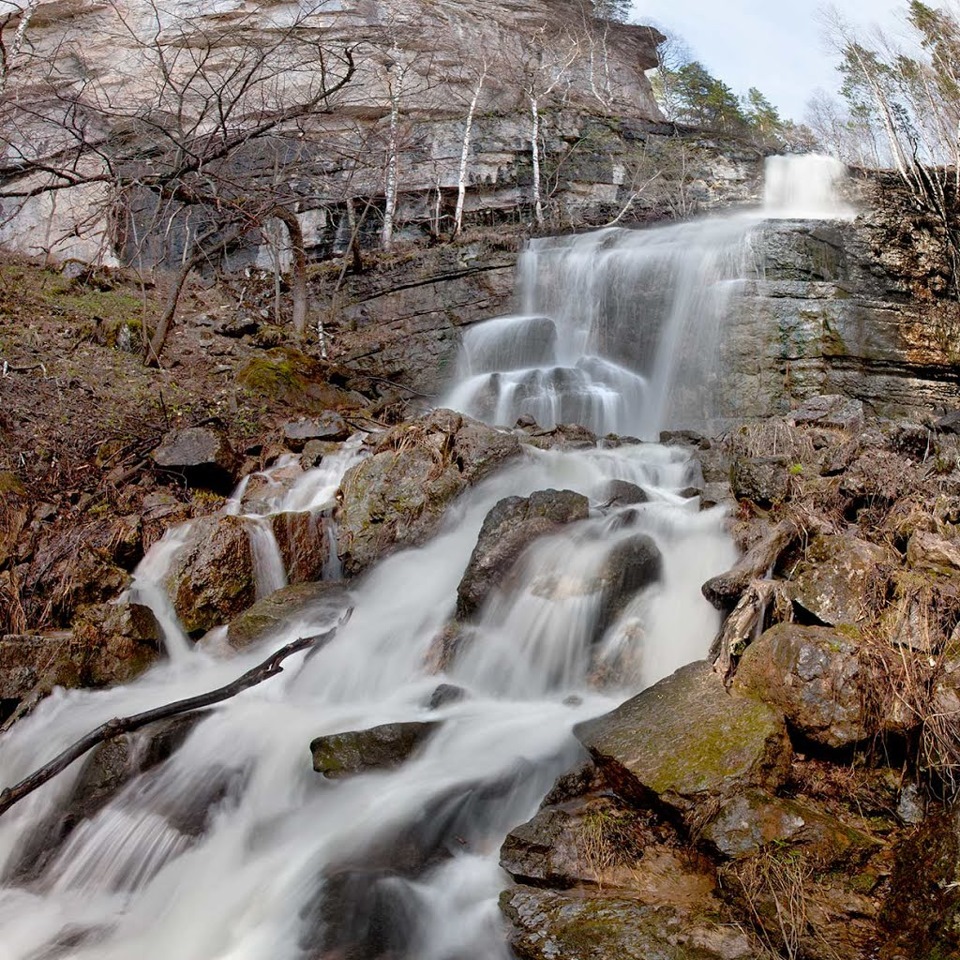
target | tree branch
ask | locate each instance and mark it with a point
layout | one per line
(118, 725)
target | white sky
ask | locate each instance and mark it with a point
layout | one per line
(775, 45)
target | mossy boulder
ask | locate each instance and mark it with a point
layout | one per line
(508, 529)
(751, 821)
(269, 614)
(398, 496)
(814, 676)
(687, 743)
(359, 751)
(554, 925)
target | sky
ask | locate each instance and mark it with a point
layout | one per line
(777, 46)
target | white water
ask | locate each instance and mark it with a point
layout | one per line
(234, 849)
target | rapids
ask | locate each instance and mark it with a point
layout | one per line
(233, 848)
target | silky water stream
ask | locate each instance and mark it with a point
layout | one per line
(233, 848)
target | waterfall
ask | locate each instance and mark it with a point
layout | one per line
(233, 848)
(620, 328)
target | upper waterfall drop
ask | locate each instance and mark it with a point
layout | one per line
(620, 328)
(805, 187)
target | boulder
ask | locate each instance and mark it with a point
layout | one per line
(314, 451)
(508, 529)
(761, 480)
(359, 751)
(840, 579)
(302, 542)
(688, 743)
(749, 822)
(922, 911)
(267, 615)
(632, 564)
(813, 675)
(119, 641)
(564, 436)
(933, 552)
(398, 496)
(622, 493)
(202, 454)
(444, 694)
(329, 427)
(553, 925)
(592, 840)
(211, 579)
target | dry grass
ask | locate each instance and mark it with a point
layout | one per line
(773, 437)
(610, 839)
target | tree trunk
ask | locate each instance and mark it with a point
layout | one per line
(465, 157)
(535, 158)
(299, 277)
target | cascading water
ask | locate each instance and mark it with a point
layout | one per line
(233, 848)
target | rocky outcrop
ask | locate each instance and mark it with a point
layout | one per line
(398, 496)
(686, 743)
(508, 529)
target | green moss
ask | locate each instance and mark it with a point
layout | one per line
(10, 483)
(281, 374)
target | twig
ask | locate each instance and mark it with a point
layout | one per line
(113, 728)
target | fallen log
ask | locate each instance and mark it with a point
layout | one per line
(270, 667)
(724, 591)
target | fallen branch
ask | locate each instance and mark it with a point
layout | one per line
(118, 725)
(724, 591)
(746, 622)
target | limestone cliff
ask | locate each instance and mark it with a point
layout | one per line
(138, 78)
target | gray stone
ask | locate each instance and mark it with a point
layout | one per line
(329, 427)
(762, 480)
(621, 493)
(832, 411)
(686, 742)
(203, 454)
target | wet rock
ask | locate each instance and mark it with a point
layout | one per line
(202, 454)
(922, 911)
(359, 751)
(686, 742)
(814, 676)
(832, 411)
(314, 451)
(446, 693)
(159, 511)
(315, 600)
(550, 925)
(447, 645)
(753, 820)
(564, 436)
(328, 427)
(302, 543)
(762, 480)
(622, 493)
(211, 579)
(933, 552)
(632, 564)
(398, 496)
(508, 529)
(840, 579)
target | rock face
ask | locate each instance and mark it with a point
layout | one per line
(605, 78)
(686, 742)
(398, 496)
(813, 675)
(508, 529)
(358, 751)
